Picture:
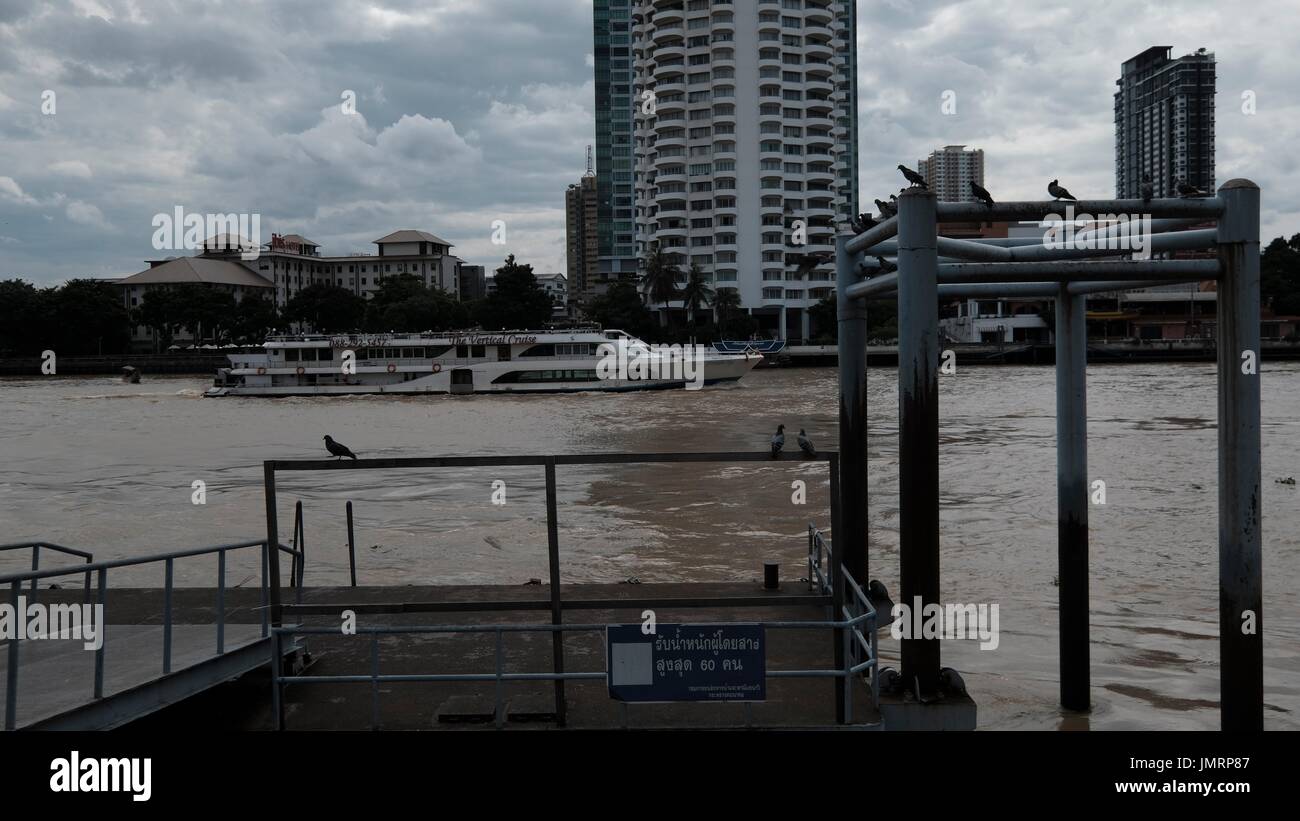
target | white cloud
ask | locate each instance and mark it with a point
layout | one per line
(72, 168)
(88, 214)
(12, 191)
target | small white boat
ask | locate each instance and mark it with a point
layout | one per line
(473, 362)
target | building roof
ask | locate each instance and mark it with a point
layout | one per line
(198, 269)
(299, 238)
(407, 235)
(229, 242)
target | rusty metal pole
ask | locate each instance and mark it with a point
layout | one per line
(1072, 495)
(918, 428)
(849, 542)
(1241, 598)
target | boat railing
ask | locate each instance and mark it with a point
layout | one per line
(36, 548)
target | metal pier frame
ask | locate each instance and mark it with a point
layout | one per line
(1036, 268)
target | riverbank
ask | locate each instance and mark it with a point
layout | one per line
(204, 364)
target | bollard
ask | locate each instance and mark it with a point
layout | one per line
(771, 576)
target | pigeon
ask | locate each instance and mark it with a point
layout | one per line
(886, 267)
(950, 681)
(778, 441)
(861, 223)
(1185, 191)
(891, 683)
(337, 450)
(912, 177)
(1059, 192)
(886, 210)
(806, 445)
(807, 262)
(881, 603)
(1148, 189)
(981, 194)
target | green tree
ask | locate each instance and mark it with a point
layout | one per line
(326, 308)
(404, 303)
(87, 317)
(517, 303)
(1279, 276)
(205, 312)
(255, 316)
(23, 311)
(621, 307)
(696, 292)
(660, 280)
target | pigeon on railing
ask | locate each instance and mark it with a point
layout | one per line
(337, 450)
(1186, 191)
(914, 178)
(1059, 192)
(886, 210)
(778, 441)
(861, 223)
(808, 262)
(981, 194)
(806, 445)
(886, 267)
(1148, 188)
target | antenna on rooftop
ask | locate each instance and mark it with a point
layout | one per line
(591, 163)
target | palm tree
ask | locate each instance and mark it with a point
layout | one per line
(696, 293)
(660, 280)
(725, 301)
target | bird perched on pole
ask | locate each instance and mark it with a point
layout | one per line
(778, 441)
(914, 178)
(1185, 191)
(861, 223)
(886, 210)
(337, 450)
(1148, 188)
(1059, 192)
(981, 194)
(886, 267)
(806, 445)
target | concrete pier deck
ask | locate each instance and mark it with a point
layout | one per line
(134, 644)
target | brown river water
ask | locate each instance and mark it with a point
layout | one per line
(96, 464)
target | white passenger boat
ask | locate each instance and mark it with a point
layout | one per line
(473, 362)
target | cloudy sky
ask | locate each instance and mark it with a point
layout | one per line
(471, 111)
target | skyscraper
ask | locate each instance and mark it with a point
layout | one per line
(746, 144)
(950, 171)
(1164, 122)
(582, 245)
(614, 163)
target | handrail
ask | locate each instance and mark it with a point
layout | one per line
(36, 557)
(15, 580)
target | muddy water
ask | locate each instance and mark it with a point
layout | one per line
(108, 467)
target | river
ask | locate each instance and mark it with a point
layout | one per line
(109, 467)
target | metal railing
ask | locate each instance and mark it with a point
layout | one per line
(100, 569)
(35, 547)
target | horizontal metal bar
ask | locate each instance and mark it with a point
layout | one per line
(72, 570)
(875, 285)
(967, 290)
(1012, 211)
(876, 234)
(545, 604)
(1125, 229)
(434, 677)
(1102, 287)
(55, 547)
(540, 461)
(965, 249)
(1066, 271)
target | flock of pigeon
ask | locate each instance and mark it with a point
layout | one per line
(889, 209)
(778, 443)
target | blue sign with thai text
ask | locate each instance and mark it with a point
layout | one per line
(684, 662)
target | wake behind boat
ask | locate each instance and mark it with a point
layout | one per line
(472, 362)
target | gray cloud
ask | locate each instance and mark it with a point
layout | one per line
(469, 111)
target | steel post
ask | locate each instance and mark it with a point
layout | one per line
(1072, 496)
(918, 428)
(1241, 618)
(849, 537)
(557, 607)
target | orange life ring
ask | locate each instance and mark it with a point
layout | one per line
(392, 368)
(261, 371)
(437, 368)
(301, 370)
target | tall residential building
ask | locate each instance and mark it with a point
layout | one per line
(751, 136)
(614, 162)
(582, 241)
(950, 171)
(1164, 122)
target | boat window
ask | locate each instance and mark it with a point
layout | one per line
(539, 350)
(478, 352)
(434, 353)
(290, 354)
(308, 354)
(325, 354)
(503, 353)
(408, 353)
(462, 352)
(392, 353)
